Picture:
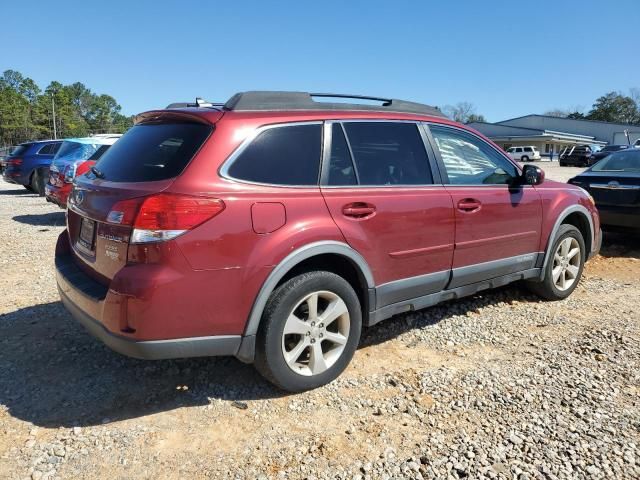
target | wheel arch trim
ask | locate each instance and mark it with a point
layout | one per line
(554, 232)
(290, 261)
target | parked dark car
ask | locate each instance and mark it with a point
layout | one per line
(274, 228)
(614, 183)
(28, 164)
(608, 150)
(576, 156)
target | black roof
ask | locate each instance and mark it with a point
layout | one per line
(300, 101)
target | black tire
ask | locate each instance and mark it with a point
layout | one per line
(28, 187)
(270, 360)
(38, 181)
(547, 288)
(562, 164)
(524, 158)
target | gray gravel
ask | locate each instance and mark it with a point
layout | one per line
(500, 385)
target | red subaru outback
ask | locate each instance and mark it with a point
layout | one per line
(274, 227)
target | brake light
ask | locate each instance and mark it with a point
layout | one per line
(14, 162)
(163, 216)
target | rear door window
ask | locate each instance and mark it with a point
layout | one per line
(150, 152)
(388, 153)
(46, 150)
(281, 155)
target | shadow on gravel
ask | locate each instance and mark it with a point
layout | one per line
(21, 191)
(51, 219)
(52, 373)
(620, 244)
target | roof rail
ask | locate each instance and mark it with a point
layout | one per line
(266, 100)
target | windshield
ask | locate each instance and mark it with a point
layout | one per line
(150, 152)
(71, 151)
(619, 162)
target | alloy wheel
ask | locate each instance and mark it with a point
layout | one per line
(315, 333)
(566, 263)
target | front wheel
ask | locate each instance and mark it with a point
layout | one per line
(564, 269)
(309, 331)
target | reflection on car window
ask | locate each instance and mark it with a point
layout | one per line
(627, 161)
(470, 161)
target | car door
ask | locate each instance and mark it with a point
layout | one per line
(379, 184)
(498, 223)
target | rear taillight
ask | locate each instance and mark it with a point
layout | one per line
(163, 216)
(69, 173)
(14, 162)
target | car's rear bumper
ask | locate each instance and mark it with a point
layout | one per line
(57, 195)
(12, 176)
(99, 309)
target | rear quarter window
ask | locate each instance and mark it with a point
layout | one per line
(150, 152)
(282, 155)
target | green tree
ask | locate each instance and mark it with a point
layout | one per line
(614, 107)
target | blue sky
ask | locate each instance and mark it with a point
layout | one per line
(508, 58)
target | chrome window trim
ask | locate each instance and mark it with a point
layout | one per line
(326, 158)
(497, 150)
(223, 171)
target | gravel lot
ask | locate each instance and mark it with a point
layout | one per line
(500, 385)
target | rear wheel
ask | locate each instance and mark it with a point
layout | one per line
(524, 158)
(28, 187)
(37, 182)
(309, 331)
(564, 268)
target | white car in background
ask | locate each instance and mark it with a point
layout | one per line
(524, 154)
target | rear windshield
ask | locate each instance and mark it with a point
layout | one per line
(19, 150)
(152, 152)
(619, 162)
(73, 151)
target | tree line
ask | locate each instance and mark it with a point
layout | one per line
(26, 112)
(611, 107)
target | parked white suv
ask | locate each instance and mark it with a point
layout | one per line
(524, 154)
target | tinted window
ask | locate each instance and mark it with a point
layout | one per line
(519, 150)
(149, 152)
(528, 149)
(288, 155)
(341, 170)
(388, 153)
(626, 161)
(46, 149)
(471, 161)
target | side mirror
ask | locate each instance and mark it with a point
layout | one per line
(532, 175)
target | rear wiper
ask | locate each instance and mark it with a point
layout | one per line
(97, 172)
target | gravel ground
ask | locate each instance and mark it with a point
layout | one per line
(500, 385)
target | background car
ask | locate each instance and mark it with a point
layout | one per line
(576, 156)
(603, 152)
(614, 183)
(64, 168)
(28, 164)
(524, 154)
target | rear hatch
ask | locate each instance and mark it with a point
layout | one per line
(104, 202)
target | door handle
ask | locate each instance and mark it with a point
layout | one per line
(469, 205)
(358, 210)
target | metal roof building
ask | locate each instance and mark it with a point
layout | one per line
(551, 134)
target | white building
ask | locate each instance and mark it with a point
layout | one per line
(552, 134)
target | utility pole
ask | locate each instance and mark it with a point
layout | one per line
(53, 107)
